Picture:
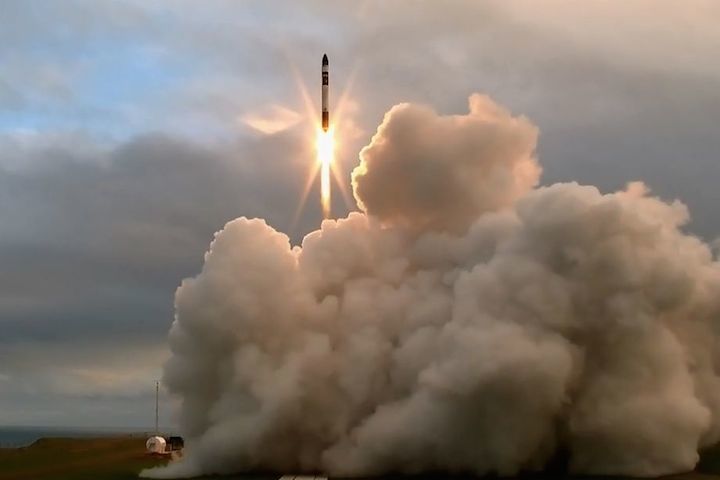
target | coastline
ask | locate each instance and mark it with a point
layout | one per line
(23, 436)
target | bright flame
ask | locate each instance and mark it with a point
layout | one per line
(325, 144)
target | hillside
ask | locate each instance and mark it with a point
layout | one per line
(121, 458)
(117, 458)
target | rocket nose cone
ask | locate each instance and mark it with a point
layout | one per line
(325, 60)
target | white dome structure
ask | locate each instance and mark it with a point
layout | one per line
(155, 444)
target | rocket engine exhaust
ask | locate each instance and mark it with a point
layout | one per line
(466, 321)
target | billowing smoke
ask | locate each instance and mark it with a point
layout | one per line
(424, 171)
(466, 322)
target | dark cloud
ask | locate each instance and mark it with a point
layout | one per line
(100, 221)
(92, 251)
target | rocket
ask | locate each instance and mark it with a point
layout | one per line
(325, 114)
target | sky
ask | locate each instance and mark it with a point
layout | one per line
(131, 131)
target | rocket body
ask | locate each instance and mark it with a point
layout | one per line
(325, 113)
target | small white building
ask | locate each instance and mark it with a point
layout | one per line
(155, 444)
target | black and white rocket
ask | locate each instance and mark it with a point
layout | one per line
(325, 114)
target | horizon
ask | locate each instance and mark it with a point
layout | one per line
(132, 132)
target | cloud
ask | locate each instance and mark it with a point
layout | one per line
(32, 150)
(94, 240)
(485, 162)
(556, 319)
(88, 86)
(98, 384)
(272, 119)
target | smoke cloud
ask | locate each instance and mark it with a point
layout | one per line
(426, 171)
(467, 321)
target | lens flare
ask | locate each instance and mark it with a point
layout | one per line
(325, 144)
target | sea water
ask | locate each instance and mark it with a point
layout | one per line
(13, 437)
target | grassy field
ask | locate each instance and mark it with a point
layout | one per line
(122, 458)
(119, 458)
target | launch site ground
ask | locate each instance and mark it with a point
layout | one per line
(122, 458)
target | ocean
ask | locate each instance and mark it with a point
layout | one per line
(13, 437)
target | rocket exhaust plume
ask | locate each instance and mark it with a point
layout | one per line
(325, 153)
(466, 321)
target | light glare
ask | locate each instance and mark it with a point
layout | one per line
(325, 144)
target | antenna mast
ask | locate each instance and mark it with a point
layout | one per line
(157, 402)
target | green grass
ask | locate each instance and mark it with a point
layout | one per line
(118, 458)
(122, 458)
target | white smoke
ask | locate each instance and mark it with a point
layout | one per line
(466, 322)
